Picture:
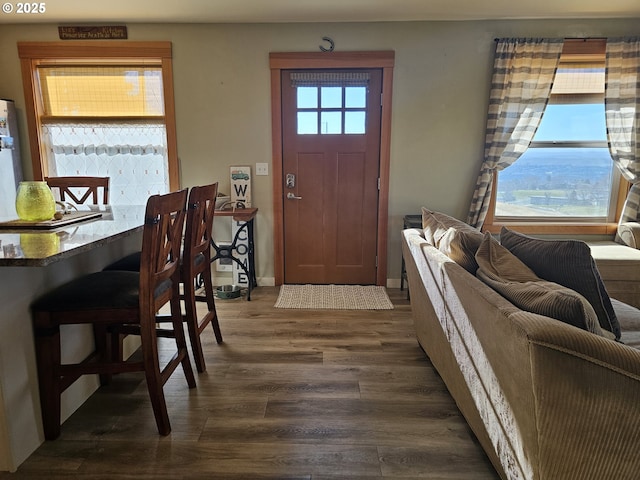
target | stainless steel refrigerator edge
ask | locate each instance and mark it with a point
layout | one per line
(10, 162)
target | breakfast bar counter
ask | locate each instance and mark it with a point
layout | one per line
(37, 247)
(32, 262)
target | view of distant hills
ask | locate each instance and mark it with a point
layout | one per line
(562, 180)
(559, 164)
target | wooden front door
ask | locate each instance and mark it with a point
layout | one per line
(330, 174)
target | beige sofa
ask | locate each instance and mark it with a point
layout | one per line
(545, 399)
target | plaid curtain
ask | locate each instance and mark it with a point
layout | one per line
(523, 75)
(631, 206)
(622, 107)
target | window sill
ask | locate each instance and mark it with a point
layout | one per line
(555, 228)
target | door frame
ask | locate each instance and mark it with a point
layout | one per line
(279, 61)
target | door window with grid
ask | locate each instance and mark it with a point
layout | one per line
(331, 103)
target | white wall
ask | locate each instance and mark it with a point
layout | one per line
(222, 94)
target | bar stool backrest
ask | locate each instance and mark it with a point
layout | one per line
(72, 187)
(199, 226)
(161, 244)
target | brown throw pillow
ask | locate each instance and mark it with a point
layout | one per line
(461, 247)
(462, 240)
(569, 263)
(507, 275)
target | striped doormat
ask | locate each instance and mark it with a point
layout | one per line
(334, 297)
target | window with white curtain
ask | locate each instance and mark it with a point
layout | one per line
(133, 156)
(106, 121)
(105, 113)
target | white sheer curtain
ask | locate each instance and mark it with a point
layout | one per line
(523, 75)
(133, 155)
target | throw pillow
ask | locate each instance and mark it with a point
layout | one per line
(505, 273)
(449, 221)
(432, 228)
(461, 247)
(436, 224)
(569, 263)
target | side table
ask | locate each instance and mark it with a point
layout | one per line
(409, 221)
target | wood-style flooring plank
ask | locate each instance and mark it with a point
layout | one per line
(251, 459)
(338, 431)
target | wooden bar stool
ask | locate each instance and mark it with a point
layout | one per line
(195, 268)
(118, 303)
(79, 189)
(196, 265)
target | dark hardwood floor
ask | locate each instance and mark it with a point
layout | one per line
(290, 394)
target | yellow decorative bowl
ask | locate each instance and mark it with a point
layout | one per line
(35, 202)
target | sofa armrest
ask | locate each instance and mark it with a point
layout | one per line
(586, 391)
(556, 335)
(629, 234)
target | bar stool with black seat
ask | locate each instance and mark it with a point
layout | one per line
(116, 303)
(79, 189)
(195, 268)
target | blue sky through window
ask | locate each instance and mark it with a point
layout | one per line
(572, 122)
(350, 109)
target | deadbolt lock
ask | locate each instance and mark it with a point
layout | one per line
(290, 180)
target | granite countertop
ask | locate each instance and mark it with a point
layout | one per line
(39, 247)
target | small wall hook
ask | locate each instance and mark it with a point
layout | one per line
(332, 45)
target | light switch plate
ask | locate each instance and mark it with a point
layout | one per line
(262, 169)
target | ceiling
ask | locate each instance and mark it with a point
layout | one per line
(269, 11)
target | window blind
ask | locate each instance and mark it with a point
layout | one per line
(122, 91)
(329, 79)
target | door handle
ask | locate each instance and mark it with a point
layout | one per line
(291, 196)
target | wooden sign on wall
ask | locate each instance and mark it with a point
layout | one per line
(241, 185)
(107, 32)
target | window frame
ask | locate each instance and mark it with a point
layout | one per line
(34, 54)
(573, 50)
(557, 228)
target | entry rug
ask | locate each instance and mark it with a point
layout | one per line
(334, 297)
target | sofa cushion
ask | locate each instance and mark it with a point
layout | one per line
(569, 263)
(456, 239)
(629, 318)
(505, 273)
